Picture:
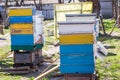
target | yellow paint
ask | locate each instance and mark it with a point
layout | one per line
(77, 39)
(21, 29)
(71, 8)
(20, 12)
(87, 7)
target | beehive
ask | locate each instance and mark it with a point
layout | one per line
(26, 34)
(77, 39)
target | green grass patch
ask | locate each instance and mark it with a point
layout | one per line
(109, 69)
(4, 51)
(6, 31)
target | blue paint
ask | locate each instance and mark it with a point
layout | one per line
(22, 40)
(20, 19)
(77, 49)
(77, 59)
(75, 68)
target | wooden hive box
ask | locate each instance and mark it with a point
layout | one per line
(77, 68)
(20, 11)
(24, 57)
(77, 39)
(77, 49)
(81, 59)
(80, 17)
(76, 27)
(79, 76)
(21, 29)
(20, 19)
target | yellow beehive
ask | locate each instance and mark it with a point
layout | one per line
(20, 12)
(77, 39)
(21, 29)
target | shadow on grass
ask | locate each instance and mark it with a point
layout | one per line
(107, 37)
(111, 54)
(109, 47)
(6, 63)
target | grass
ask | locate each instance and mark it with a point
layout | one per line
(109, 69)
(4, 51)
(6, 31)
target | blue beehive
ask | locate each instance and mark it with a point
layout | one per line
(79, 57)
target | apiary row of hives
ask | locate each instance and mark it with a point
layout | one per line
(78, 37)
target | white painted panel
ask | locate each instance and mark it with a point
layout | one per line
(38, 27)
(76, 28)
(80, 18)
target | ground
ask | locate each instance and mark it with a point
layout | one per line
(108, 69)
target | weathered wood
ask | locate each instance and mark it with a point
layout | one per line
(79, 77)
(17, 70)
(46, 73)
(24, 57)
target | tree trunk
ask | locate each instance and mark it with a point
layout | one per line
(60, 1)
(21, 3)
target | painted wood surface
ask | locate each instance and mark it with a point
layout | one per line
(20, 12)
(24, 57)
(22, 39)
(21, 29)
(76, 27)
(77, 68)
(80, 17)
(77, 49)
(77, 59)
(77, 39)
(20, 19)
(71, 8)
(26, 47)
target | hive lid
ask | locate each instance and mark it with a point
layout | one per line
(83, 15)
(81, 22)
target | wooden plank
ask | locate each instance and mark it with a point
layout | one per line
(19, 39)
(87, 7)
(77, 49)
(77, 68)
(80, 17)
(76, 27)
(24, 57)
(79, 77)
(21, 29)
(17, 70)
(20, 12)
(77, 39)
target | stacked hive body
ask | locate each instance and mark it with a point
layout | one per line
(23, 29)
(77, 46)
(83, 18)
(26, 34)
